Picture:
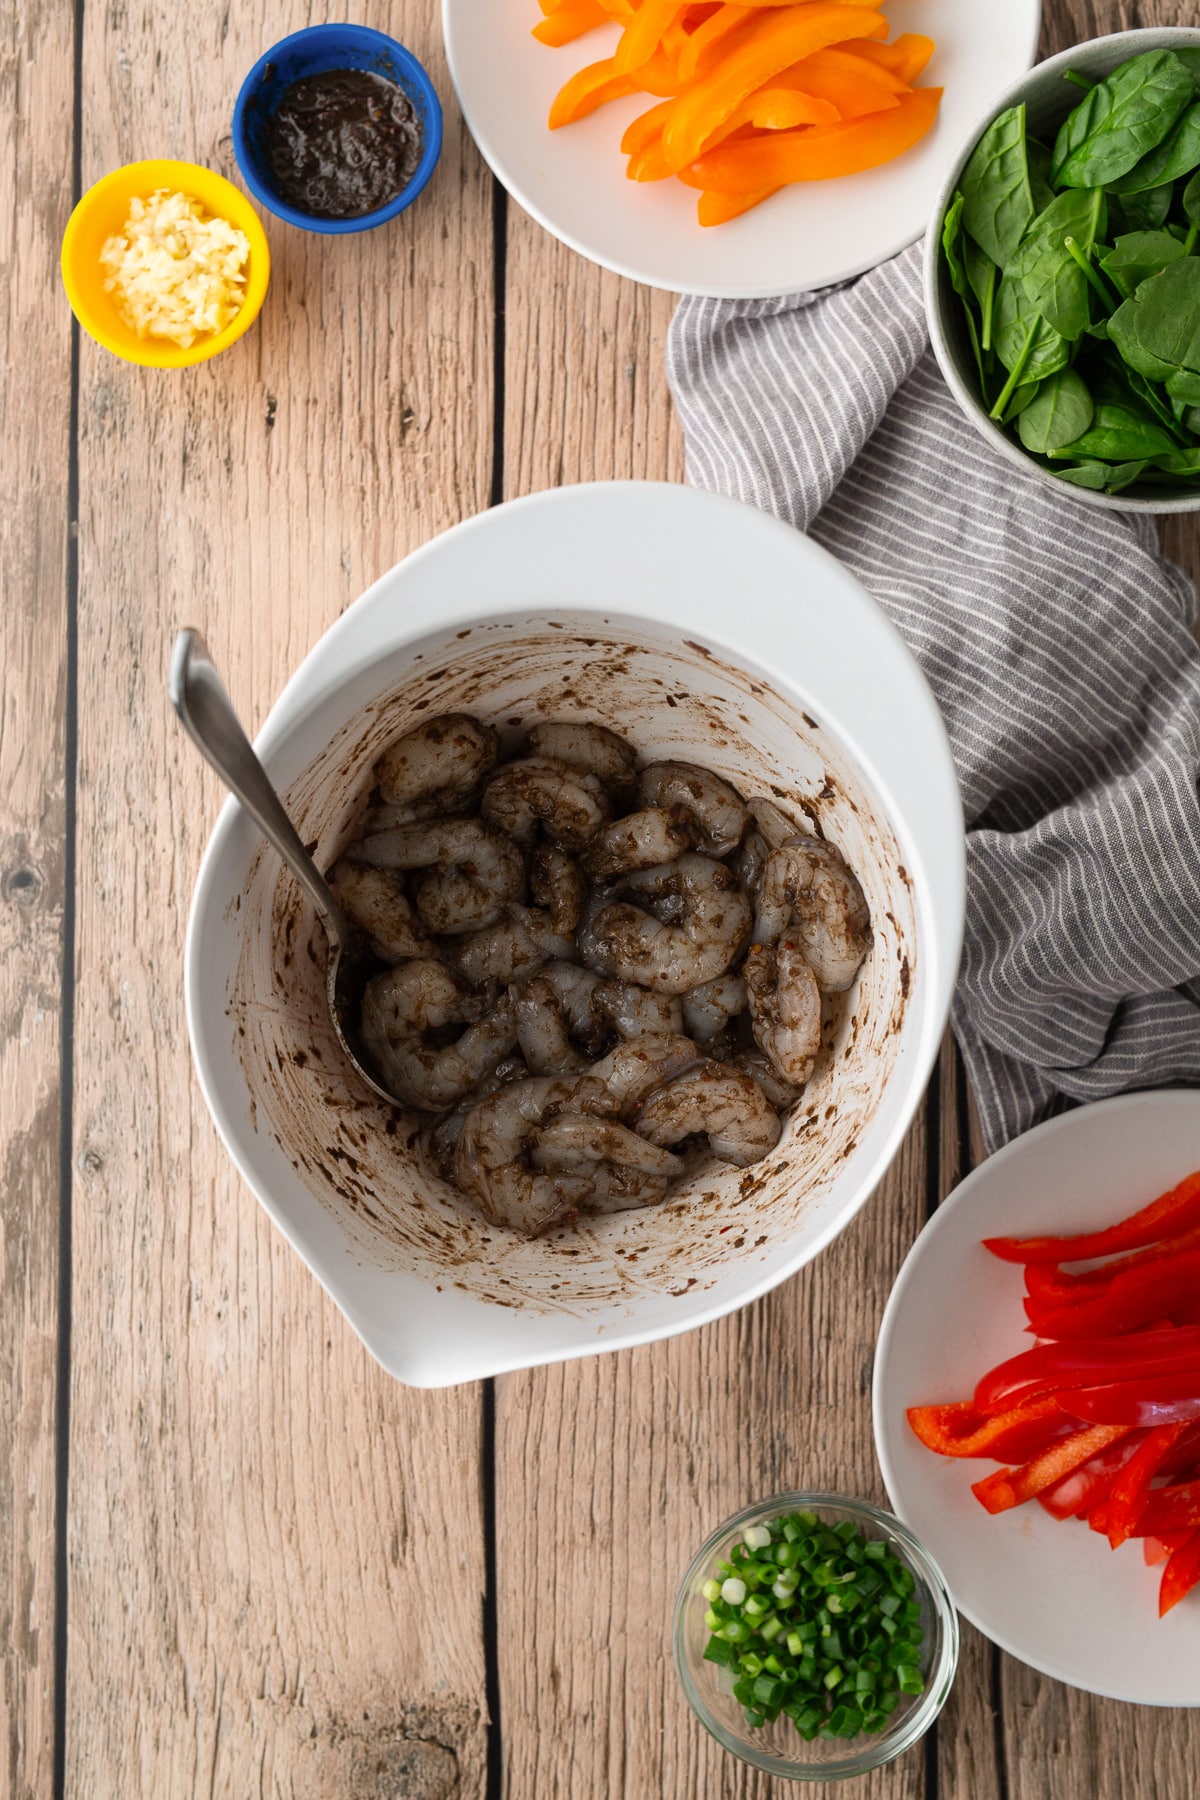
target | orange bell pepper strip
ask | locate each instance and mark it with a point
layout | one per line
(646, 127)
(817, 152)
(645, 31)
(649, 163)
(569, 21)
(591, 87)
(718, 209)
(774, 109)
(855, 87)
(774, 41)
(708, 40)
(906, 57)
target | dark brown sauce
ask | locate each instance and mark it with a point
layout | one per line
(342, 144)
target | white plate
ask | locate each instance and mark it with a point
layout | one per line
(573, 180)
(1052, 1594)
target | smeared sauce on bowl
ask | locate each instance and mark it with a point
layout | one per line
(342, 144)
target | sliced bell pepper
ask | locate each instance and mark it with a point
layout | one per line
(1167, 1216)
(960, 1429)
(649, 164)
(1006, 1488)
(718, 209)
(569, 21)
(773, 108)
(906, 57)
(1170, 1509)
(817, 152)
(644, 33)
(1129, 1490)
(1126, 1303)
(707, 40)
(1157, 1549)
(1149, 1400)
(775, 40)
(589, 88)
(1080, 1492)
(1180, 1575)
(847, 82)
(1086, 1362)
(646, 127)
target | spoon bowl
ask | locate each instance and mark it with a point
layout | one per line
(206, 712)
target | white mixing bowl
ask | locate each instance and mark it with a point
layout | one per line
(701, 629)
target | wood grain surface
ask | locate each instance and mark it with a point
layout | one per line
(277, 1572)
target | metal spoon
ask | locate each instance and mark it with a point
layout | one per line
(206, 712)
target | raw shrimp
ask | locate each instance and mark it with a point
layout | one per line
(437, 768)
(568, 803)
(779, 1092)
(716, 1102)
(785, 1007)
(555, 882)
(718, 809)
(808, 890)
(623, 1169)
(707, 1010)
(772, 823)
(511, 950)
(404, 1006)
(551, 1010)
(634, 1069)
(707, 923)
(657, 834)
(470, 871)
(493, 1156)
(632, 1011)
(378, 905)
(440, 1136)
(592, 747)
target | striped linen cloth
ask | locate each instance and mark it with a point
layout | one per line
(1058, 643)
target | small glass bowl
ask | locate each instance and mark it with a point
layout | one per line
(779, 1749)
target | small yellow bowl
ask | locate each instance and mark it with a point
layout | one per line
(103, 211)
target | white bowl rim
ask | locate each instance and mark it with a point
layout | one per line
(1145, 37)
(938, 873)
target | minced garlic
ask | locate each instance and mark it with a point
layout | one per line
(176, 271)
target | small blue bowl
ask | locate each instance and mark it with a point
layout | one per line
(314, 52)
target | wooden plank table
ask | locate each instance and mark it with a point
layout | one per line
(235, 1558)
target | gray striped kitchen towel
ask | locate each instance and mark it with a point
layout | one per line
(1059, 645)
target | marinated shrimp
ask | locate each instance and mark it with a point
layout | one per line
(599, 973)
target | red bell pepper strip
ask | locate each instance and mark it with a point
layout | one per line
(1012, 1487)
(1086, 1362)
(1180, 1575)
(1123, 1304)
(961, 1430)
(1078, 1493)
(1156, 1550)
(1132, 1485)
(1170, 1214)
(1149, 1400)
(1170, 1509)
(1186, 1242)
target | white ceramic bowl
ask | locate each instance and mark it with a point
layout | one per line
(573, 181)
(702, 629)
(1048, 98)
(1052, 1594)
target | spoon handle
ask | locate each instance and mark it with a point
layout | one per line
(206, 712)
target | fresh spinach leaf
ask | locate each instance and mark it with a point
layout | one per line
(1022, 396)
(1140, 212)
(1014, 316)
(1191, 61)
(1086, 475)
(1127, 115)
(1178, 154)
(1059, 412)
(953, 241)
(1179, 462)
(995, 187)
(1190, 201)
(1184, 385)
(1039, 158)
(1120, 434)
(1138, 255)
(1151, 396)
(1053, 279)
(1158, 328)
(1123, 476)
